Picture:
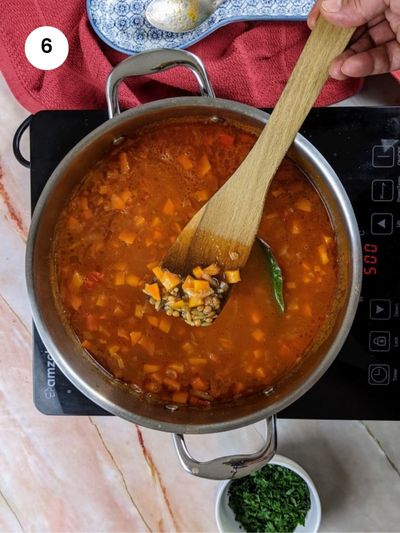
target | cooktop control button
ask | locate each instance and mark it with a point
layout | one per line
(380, 309)
(383, 156)
(381, 224)
(379, 341)
(382, 190)
(379, 374)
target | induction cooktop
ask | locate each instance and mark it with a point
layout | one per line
(363, 146)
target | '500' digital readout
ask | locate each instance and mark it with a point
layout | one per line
(370, 258)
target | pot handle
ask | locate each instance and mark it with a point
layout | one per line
(228, 467)
(151, 62)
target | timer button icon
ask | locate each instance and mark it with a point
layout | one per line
(379, 374)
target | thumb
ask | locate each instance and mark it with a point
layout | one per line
(352, 12)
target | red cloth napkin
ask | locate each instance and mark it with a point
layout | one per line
(248, 62)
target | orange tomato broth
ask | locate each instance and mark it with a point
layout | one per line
(118, 225)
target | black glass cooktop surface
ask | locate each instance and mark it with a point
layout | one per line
(363, 146)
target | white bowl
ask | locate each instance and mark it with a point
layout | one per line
(226, 519)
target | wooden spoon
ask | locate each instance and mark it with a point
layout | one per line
(224, 229)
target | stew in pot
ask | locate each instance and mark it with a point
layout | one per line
(118, 225)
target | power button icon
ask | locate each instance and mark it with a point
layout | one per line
(379, 374)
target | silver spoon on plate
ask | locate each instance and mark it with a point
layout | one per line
(180, 16)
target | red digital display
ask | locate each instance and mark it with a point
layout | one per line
(370, 259)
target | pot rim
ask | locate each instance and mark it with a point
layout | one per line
(355, 281)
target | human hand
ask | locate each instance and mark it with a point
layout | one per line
(375, 48)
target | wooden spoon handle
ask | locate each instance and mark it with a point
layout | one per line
(303, 88)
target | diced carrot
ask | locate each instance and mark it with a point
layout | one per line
(87, 214)
(303, 204)
(121, 266)
(225, 139)
(185, 161)
(148, 242)
(86, 344)
(260, 373)
(198, 272)
(170, 280)
(114, 349)
(291, 285)
(155, 222)
(135, 336)
(258, 335)
(178, 367)
(188, 283)
(123, 163)
(201, 285)
(307, 310)
(232, 276)
(187, 347)
(238, 387)
(255, 317)
(327, 239)
(172, 384)
(199, 384)
(271, 216)
(104, 189)
(150, 369)
(74, 224)
(152, 290)
(180, 397)
(128, 237)
(165, 325)
(84, 203)
(139, 311)
(201, 196)
(158, 272)
(75, 301)
(121, 332)
(76, 281)
(212, 270)
(151, 386)
(157, 235)
(138, 220)
(195, 301)
(152, 265)
(323, 254)
(257, 353)
(180, 304)
(101, 300)
(295, 228)
(293, 306)
(118, 311)
(147, 344)
(117, 202)
(305, 265)
(169, 207)
(119, 278)
(152, 320)
(203, 166)
(277, 192)
(132, 280)
(126, 195)
(91, 322)
(197, 361)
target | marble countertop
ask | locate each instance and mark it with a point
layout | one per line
(87, 474)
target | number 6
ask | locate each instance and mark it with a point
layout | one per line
(46, 46)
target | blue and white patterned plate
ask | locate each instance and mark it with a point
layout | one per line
(122, 24)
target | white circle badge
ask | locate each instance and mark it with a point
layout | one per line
(46, 48)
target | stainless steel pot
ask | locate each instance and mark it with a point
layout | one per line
(98, 385)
